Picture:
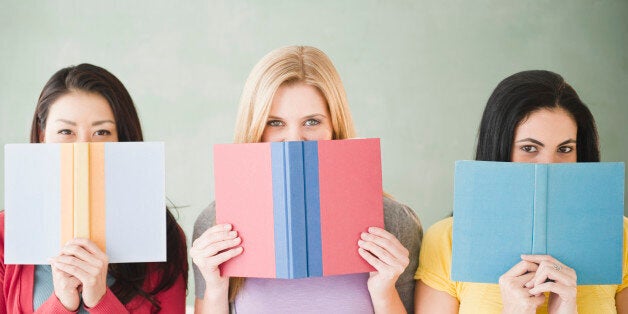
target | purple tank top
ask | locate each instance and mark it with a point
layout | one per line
(332, 294)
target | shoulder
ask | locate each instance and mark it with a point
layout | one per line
(400, 214)
(441, 229)
(402, 222)
(439, 235)
(205, 219)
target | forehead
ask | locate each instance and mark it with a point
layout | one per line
(547, 123)
(297, 98)
(80, 105)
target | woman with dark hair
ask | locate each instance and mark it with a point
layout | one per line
(86, 103)
(534, 117)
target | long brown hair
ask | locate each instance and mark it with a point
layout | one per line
(129, 277)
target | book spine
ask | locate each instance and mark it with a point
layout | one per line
(295, 201)
(539, 227)
(312, 209)
(280, 219)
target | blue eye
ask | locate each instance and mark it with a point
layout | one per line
(274, 123)
(311, 122)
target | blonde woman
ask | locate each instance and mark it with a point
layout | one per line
(293, 94)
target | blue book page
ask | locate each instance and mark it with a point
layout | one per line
(493, 218)
(585, 219)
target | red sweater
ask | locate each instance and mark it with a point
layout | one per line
(17, 283)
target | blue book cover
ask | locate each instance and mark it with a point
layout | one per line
(572, 211)
(289, 213)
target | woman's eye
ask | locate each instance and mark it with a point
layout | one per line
(274, 123)
(565, 149)
(529, 149)
(65, 132)
(103, 133)
(311, 122)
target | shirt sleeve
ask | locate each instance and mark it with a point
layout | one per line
(3, 302)
(53, 305)
(108, 304)
(435, 258)
(624, 281)
(404, 224)
(206, 219)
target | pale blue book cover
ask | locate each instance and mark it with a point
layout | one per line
(572, 211)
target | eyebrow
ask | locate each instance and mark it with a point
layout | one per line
(306, 117)
(529, 139)
(96, 123)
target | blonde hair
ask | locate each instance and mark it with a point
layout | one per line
(288, 65)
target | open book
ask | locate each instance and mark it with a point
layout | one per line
(299, 207)
(111, 193)
(572, 211)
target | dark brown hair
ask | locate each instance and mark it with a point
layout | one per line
(518, 96)
(129, 277)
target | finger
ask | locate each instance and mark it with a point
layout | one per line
(78, 251)
(89, 246)
(538, 258)
(381, 253)
(73, 270)
(218, 259)
(372, 260)
(549, 270)
(214, 248)
(389, 242)
(382, 233)
(521, 268)
(74, 262)
(210, 236)
(56, 272)
(566, 293)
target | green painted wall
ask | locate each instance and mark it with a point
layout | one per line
(417, 73)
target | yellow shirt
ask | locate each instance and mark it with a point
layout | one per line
(435, 265)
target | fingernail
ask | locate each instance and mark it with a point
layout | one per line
(233, 233)
(371, 229)
(227, 226)
(360, 242)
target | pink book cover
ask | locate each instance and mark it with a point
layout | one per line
(244, 198)
(350, 178)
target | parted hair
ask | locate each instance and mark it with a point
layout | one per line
(129, 277)
(518, 96)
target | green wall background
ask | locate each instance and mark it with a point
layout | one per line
(417, 73)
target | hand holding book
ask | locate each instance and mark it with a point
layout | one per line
(523, 286)
(215, 246)
(81, 259)
(387, 255)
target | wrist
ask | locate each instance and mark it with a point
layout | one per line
(216, 294)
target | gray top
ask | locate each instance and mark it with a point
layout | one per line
(399, 219)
